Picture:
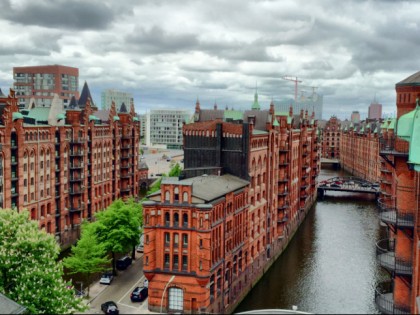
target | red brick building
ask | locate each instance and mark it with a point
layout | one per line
(247, 185)
(359, 147)
(63, 166)
(330, 144)
(39, 84)
(399, 204)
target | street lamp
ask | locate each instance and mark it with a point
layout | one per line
(164, 290)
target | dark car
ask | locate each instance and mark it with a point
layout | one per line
(123, 263)
(139, 294)
(110, 308)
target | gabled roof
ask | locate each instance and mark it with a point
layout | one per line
(39, 113)
(73, 103)
(85, 95)
(413, 79)
(261, 118)
(8, 306)
(232, 114)
(211, 114)
(123, 108)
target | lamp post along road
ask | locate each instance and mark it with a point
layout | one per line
(164, 290)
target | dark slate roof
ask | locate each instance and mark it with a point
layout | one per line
(8, 306)
(73, 103)
(123, 108)
(211, 114)
(85, 95)
(2, 94)
(413, 79)
(261, 118)
(296, 121)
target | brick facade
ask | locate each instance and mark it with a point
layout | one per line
(235, 237)
(67, 171)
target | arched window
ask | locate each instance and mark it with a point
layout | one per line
(167, 219)
(185, 197)
(167, 195)
(185, 220)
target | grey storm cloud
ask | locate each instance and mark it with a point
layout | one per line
(167, 52)
(60, 14)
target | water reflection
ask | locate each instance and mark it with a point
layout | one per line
(330, 265)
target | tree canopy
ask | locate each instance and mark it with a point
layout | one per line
(88, 256)
(29, 271)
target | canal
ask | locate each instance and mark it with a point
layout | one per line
(330, 265)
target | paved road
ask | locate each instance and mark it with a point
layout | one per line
(120, 289)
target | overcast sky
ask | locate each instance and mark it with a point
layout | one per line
(168, 53)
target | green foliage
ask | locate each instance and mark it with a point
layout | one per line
(175, 170)
(29, 271)
(88, 256)
(117, 227)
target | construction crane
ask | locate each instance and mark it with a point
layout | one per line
(294, 79)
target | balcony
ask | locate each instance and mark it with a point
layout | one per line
(126, 189)
(385, 255)
(390, 214)
(283, 180)
(284, 149)
(283, 163)
(283, 207)
(76, 165)
(77, 208)
(283, 219)
(127, 137)
(126, 156)
(77, 141)
(306, 165)
(126, 166)
(13, 160)
(76, 190)
(126, 146)
(282, 193)
(384, 300)
(393, 146)
(125, 176)
(76, 153)
(76, 178)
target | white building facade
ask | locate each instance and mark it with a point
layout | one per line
(118, 97)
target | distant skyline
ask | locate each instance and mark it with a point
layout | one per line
(168, 53)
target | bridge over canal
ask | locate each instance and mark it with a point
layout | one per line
(347, 184)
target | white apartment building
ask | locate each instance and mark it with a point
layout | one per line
(164, 126)
(118, 97)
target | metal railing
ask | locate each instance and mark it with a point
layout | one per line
(398, 217)
(386, 257)
(384, 300)
(393, 146)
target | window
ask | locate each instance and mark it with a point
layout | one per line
(185, 220)
(166, 265)
(184, 240)
(175, 262)
(176, 219)
(25, 167)
(176, 239)
(25, 182)
(167, 238)
(184, 262)
(167, 219)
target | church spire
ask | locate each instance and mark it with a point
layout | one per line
(256, 105)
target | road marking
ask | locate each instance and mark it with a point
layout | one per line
(127, 305)
(132, 288)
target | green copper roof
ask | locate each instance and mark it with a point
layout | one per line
(405, 125)
(93, 117)
(276, 123)
(232, 114)
(39, 113)
(256, 105)
(281, 113)
(61, 116)
(409, 129)
(392, 123)
(116, 118)
(351, 125)
(368, 126)
(17, 115)
(259, 132)
(135, 119)
(362, 130)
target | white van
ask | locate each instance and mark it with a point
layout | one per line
(140, 247)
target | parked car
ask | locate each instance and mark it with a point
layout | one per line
(110, 308)
(106, 278)
(139, 294)
(124, 262)
(140, 247)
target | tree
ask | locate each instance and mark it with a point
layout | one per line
(88, 256)
(29, 271)
(117, 227)
(175, 170)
